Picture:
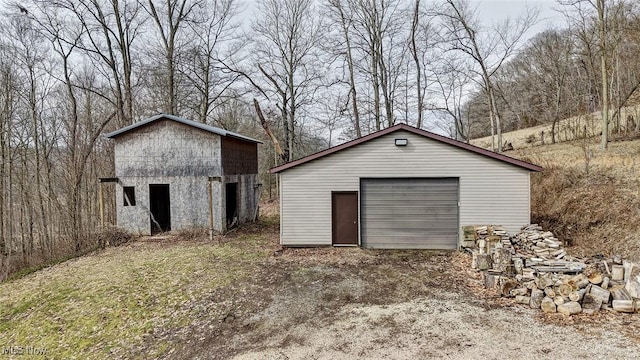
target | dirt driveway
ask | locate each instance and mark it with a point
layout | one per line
(337, 303)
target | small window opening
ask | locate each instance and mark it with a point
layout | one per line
(129, 196)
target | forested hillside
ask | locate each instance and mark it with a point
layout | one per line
(565, 72)
(321, 71)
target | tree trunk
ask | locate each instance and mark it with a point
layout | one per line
(547, 305)
(384, 82)
(627, 306)
(484, 261)
(570, 308)
(496, 114)
(376, 90)
(414, 53)
(265, 126)
(602, 32)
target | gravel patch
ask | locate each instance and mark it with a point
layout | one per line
(440, 328)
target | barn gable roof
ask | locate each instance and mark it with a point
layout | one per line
(201, 126)
(411, 129)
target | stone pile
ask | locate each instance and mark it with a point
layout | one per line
(533, 267)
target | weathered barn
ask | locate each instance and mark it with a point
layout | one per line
(174, 173)
(401, 187)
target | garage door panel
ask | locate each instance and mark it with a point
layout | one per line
(417, 224)
(382, 213)
(411, 204)
(403, 243)
(410, 213)
(443, 195)
(396, 228)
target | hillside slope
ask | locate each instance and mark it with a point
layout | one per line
(588, 197)
(566, 130)
(119, 302)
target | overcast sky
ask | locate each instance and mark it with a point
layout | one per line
(499, 9)
(490, 9)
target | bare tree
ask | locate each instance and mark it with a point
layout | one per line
(415, 26)
(286, 39)
(25, 102)
(552, 51)
(378, 29)
(343, 17)
(582, 13)
(451, 86)
(108, 31)
(489, 50)
(216, 42)
(8, 89)
(602, 45)
(169, 18)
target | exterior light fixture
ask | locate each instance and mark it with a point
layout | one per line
(402, 142)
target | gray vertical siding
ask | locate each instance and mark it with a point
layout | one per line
(168, 152)
(189, 201)
(167, 148)
(491, 191)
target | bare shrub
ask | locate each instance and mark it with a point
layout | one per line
(531, 139)
(4, 267)
(270, 208)
(112, 236)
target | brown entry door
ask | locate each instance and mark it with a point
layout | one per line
(344, 212)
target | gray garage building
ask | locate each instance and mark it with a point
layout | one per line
(402, 188)
(173, 173)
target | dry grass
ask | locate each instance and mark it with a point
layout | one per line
(567, 130)
(589, 197)
(107, 303)
(270, 208)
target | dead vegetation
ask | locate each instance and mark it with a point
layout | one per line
(591, 199)
(112, 236)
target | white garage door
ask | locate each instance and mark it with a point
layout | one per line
(409, 213)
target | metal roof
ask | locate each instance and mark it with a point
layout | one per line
(205, 127)
(411, 129)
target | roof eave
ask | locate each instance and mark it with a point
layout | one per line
(204, 127)
(440, 138)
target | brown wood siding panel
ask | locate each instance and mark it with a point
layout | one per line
(239, 157)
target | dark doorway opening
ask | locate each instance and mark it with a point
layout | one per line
(160, 207)
(344, 214)
(231, 191)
